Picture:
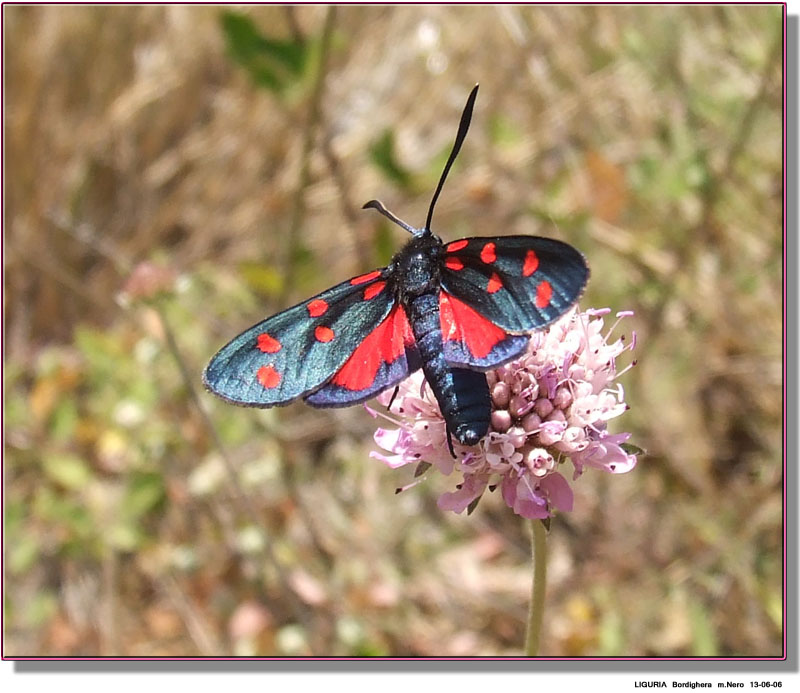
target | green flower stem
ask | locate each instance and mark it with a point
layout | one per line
(536, 607)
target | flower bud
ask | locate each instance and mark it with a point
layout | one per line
(531, 422)
(549, 435)
(501, 394)
(501, 420)
(520, 405)
(577, 371)
(563, 397)
(543, 407)
(517, 436)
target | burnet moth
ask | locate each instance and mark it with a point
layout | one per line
(452, 309)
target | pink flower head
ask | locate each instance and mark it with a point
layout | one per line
(549, 405)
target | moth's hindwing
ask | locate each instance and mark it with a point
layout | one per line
(519, 283)
(385, 357)
(473, 341)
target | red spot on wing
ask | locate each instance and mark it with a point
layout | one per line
(494, 284)
(373, 290)
(543, 294)
(323, 334)
(317, 307)
(383, 345)
(268, 344)
(488, 253)
(531, 264)
(453, 263)
(268, 377)
(364, 278)
(461, 323)
(457, 245)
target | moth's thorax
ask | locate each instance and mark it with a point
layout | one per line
(417, 265)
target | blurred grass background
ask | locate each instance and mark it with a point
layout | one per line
(174, 174)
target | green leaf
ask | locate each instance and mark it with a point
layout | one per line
(384, 244)
(145, 491)
(75, 524)
(370, 649)
(611, 633)
(69, 471)
(704, 637)
(41, 608)
(301, 255)
(272, 63)
(503, 131)
(306, 268)
(474, 504)
(103, 352)
(122, 536)
(382, 154)
(632, 449)
(16, 514)
(422, 467)
(64, 419)
(265, 279)
(23, 553)
(773, 604)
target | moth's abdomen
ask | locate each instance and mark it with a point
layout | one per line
(462, 394)
(469, 418)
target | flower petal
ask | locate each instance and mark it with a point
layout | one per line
(393, 461)
(458, 501)
(559, 492)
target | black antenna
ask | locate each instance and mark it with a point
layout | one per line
(377, 204)
(463, 126)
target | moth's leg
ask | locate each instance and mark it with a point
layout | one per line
(394, 394)
(450, 443)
